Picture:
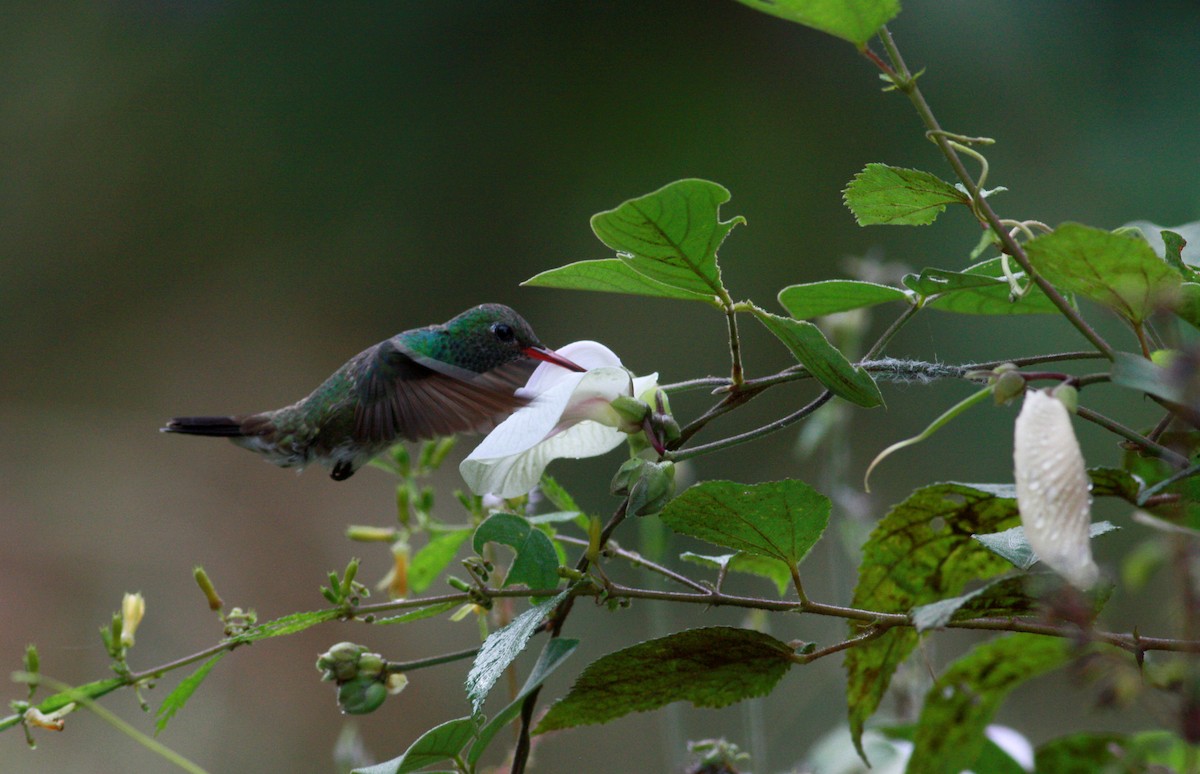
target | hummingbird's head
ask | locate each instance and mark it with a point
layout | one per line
(491, 335)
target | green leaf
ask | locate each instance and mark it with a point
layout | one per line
(419, 614)
(777, 519)
(1012, 545)
(288, 624)
(433, 557)
(671, 235)
(536, 563)
(711, 667)
(438, 744)
(1103, 752)
(1116, 270)
(931, 282)
(178, 697)
(921, 552)
(557, 650)
(1173, 255)
(612, 275)
(762, 566)
(854, 22)
(884, 195)
(814, 299)
(502, 647)
(991, 759)
(1000, 597)
(1115, 482)
(1188, 306)
(829, 366)
(1138, 373)
(964, 297)
(961, 703)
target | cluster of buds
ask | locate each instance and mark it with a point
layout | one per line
(362, 678)
(646, 484)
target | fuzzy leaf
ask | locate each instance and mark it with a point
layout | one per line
(671, 235)
(502, 647)
(1012, 545)
(438, 744)
(884, 195)
(1116, 270)
(921, 552)
(829, 366)
(854, 22)
(711, 667)
(814, 299)
(750, 564)
(288, 624)
(959, 706)
(419, 614)
(777, 519)
(612, 275)
(536, 562)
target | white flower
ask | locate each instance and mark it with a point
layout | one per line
(1052, 489)
(570, 415)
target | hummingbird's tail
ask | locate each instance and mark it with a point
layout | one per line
(226, 427)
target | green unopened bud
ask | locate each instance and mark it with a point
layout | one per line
(1067, 395)
(631, 410)
(340, 663)
(206, 586)
(361, 695)
(365, 534)
(629, 472)
(32, 662)
(653, 488)
(665, 426)
(133, 608)
(370, 664)
(1007, 385)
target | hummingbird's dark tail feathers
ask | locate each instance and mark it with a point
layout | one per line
(226, 427)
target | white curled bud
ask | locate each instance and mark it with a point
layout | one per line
(1053, 489)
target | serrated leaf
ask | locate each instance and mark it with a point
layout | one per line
(612, 275)
(885, 195)
(438, 744)
(1000, 597)
(502, 647)
(993, 298)
(854, 22)
(671, 235)
(1114, 482)
(557, 650)
(1012, 545)
(777, 519)
(712, 667)
(961, 703)
(921, 552)
(1118, 271)
(178, 697)
(288, 624)
(419, 614)
(815, 299)
(433, 557)
(829, 366)
(536, 562)
(764, 567)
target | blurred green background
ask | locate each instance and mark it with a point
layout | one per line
(206, 207)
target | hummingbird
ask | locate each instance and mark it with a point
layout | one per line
(457, 377)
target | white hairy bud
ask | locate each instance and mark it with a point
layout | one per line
(1053, 489)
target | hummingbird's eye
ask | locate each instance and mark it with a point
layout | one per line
(504, 332)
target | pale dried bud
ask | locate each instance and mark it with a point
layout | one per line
(1053, 489)
(133, 607)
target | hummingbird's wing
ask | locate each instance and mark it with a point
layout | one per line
(401, 397)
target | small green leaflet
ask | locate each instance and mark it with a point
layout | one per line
(777, 519)
(536, 563)
(671, 235)
(884, 195)
(750, 564)
(815, 299)
(995, 298)
(920, 553)
(855, 22)
(438, 744)
(711, 667)
(1116, 270)
(420, 613)
(1138, 373)
(959, 706)
(178, 697)
(612, 275)
(433, 557)
(502, 647)
(999, 597)
(1012, 545)
(557, 650)
(288, 624)
(829, 366)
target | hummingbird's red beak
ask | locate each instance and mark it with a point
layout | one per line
(550, 356)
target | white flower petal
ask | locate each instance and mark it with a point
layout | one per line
(1053, 489)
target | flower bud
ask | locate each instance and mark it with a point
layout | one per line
(340, 663)
(1007, 384)
(654, 486)
(1053, 489)
(361, 695)
(133, 608)
(629, 472)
